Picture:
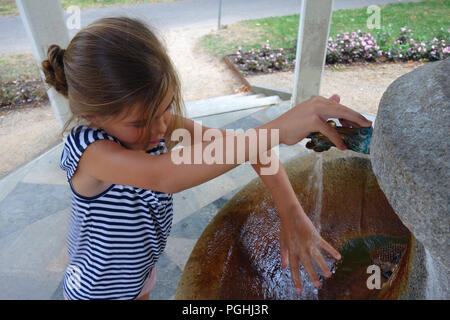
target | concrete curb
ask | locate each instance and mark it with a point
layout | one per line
(283, 94)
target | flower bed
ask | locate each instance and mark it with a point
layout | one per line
(21, 92)
(264, 60)
(349, 48)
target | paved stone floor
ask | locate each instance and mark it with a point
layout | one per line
(35, 208)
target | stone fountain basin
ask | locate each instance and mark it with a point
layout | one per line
(237, 256)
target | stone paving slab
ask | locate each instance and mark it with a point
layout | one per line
(33, 258)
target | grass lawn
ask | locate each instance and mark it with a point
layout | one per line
(8, 7)
(424, 18)
(18, 67)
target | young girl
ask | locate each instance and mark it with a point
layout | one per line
(120, 81)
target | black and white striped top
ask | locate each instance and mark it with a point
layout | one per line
(116, 237)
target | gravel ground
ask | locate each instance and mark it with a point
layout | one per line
(28, 132)
(360, 86)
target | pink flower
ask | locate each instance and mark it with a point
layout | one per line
(403, 29)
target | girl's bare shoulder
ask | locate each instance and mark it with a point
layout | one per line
(105, 162)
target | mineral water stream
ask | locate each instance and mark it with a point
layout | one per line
(314, 187)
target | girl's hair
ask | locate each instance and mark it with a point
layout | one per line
(114, 64)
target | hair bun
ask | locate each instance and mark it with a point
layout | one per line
(53, 68)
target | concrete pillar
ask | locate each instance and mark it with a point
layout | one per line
(314, 28)
(45, 25)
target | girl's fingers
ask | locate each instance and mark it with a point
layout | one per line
(355, 117)
(344, 122)
(328, 248)
(307, 263)
(340, 111)
(333, 135)
(336, 98)
(284, 252)
(295, 272)
(348, 124)
(318, 258)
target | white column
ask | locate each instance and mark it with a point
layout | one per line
(45, 25)
(314, 28)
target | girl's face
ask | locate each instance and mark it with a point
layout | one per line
(130, 128)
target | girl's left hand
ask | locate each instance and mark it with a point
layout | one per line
(300, 241)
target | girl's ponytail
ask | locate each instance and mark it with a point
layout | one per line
(53, 69)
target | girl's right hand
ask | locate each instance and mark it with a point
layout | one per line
(312, 115)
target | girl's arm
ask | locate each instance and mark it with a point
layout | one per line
(299, 240)
(109, 162)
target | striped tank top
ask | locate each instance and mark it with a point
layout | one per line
(116, 237)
